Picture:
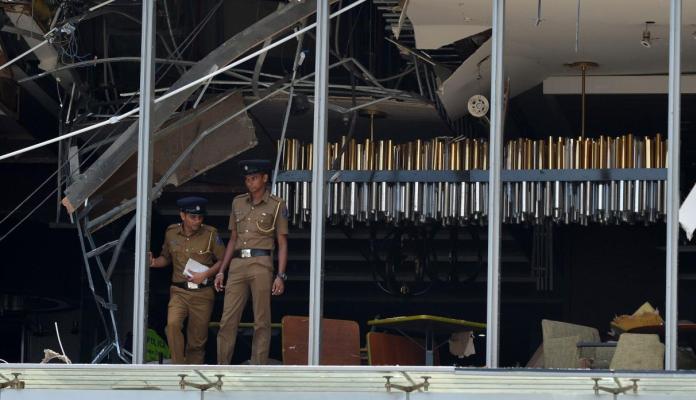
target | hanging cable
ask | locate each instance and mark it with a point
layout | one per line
(180, 89)
(299, 59)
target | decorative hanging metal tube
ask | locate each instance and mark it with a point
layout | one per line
(457, 203)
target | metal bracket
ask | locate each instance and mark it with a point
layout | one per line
(202, 386)
(615, 390)
(15, 383)
(408, 389)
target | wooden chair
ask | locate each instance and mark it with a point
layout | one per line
(340, 341)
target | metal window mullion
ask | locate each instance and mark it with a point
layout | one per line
(494, 186)
(144, 185)
(673, 143)
(321, 84)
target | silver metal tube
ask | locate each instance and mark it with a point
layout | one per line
(352, 209)
(316, 263)
(494, 186)
(417, 198)
(144, 185)
(672, 212)
(465, 204)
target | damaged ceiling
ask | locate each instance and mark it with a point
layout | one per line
(540, 39)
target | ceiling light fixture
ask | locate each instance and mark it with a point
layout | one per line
(583, 66)
(646, 40)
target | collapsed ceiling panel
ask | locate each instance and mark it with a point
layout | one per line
(126, 145)
(231, 139)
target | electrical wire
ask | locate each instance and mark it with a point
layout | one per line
(399, 75)
(188, 40)
(45, 199)
(42, 184)
(185, 45)
(60, 342)
(73, 46)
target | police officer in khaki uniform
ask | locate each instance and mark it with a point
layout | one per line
(191, 294)
(258, 219)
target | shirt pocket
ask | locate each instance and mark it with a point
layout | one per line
(265, 223)
(238, 215)
(203, 258)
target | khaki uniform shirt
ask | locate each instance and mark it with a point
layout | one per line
(204, 246)
(257, 224)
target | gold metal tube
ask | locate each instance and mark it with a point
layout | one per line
(560, 153)
(467, 154)
(659, 144)
(595, 155)
(309, 160)
(484, 162)
(418, 153)
(295, 163)
(439, 154)
(390, 155)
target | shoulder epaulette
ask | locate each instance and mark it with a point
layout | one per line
(209, 228)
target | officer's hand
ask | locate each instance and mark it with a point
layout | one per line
(197, 278)
(152, 259)
(219, 279)
(278, 286)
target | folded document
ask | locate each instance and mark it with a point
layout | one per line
(193, 266)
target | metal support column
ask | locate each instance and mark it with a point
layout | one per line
(144, 193)
(672, 211)
(316, 274)
(494, 185)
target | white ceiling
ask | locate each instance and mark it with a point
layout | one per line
(610, 34)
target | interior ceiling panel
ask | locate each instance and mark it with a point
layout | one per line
(610, 34)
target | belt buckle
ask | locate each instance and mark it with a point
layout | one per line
(192, 285)
(246, 253)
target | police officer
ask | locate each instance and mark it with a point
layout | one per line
(191, 294)
(257, 220)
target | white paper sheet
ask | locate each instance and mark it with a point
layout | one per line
(193, 266)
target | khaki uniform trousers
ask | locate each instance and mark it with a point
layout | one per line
(196, 305)
(253, 275)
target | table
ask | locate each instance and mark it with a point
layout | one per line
(430, 325)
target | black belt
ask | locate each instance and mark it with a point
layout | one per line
(184, 285)
(246, 253)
